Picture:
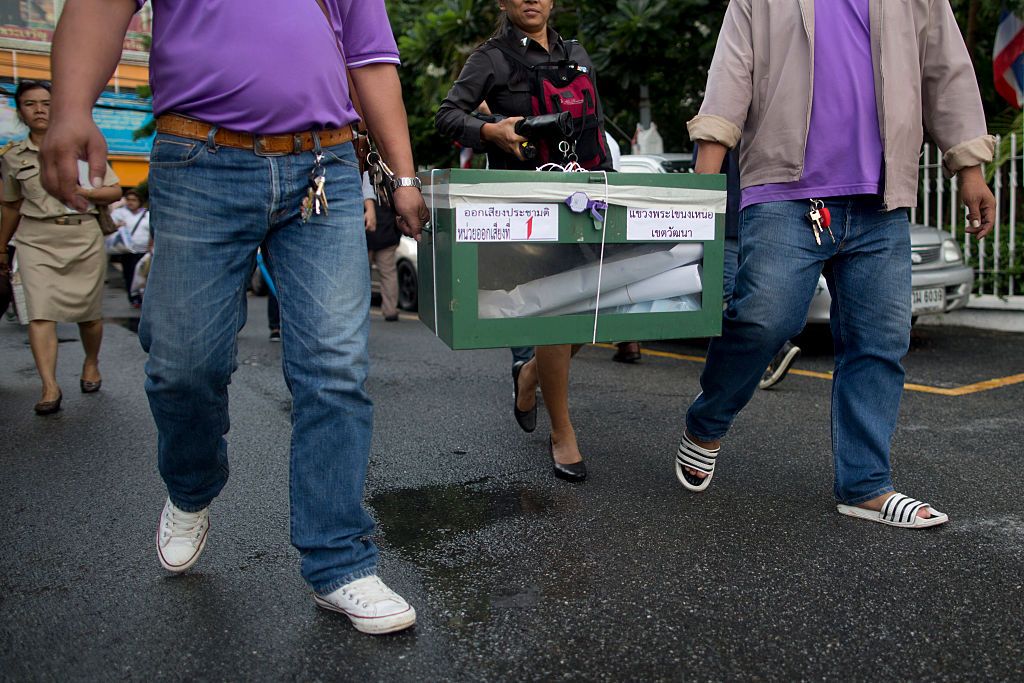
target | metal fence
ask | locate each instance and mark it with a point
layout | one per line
(997, 259)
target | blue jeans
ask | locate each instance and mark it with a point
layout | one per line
(212, 207)
(729, 268)
(868, 275)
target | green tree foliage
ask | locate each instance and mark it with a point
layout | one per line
(978, 21)
(435, 38)
(666, 44)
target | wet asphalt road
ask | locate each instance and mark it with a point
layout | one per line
(516, 575)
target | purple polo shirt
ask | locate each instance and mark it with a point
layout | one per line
(844, 145)
(264, 66)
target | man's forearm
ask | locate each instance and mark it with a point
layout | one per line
(380, 94)
(710, 156)
(86, 49)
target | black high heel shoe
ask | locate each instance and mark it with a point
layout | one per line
(575, 472)
(49, 407)
(90, 387)
(527, 419)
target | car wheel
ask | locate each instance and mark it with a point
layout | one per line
(408, 287)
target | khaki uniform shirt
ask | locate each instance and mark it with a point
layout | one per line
(760, 89)
(21, 180)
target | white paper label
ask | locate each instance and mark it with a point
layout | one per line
(670, 224)
(506, 223)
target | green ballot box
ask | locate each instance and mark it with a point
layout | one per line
(528, 258)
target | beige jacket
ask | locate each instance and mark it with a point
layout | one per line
(761, 79)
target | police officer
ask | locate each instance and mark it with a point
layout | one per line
(60, 251)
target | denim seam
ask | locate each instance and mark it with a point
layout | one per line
(704, 437)
(273, 169)
(837, 374)
(354, 575)
(874, 494)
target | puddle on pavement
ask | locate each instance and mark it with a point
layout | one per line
(414, 520)
(426, 525)
(130, 323)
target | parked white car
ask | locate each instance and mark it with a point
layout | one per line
(941, 281)
(644, 163)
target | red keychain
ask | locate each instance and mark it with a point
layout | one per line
(821, 220)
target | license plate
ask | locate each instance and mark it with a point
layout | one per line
(930, 300)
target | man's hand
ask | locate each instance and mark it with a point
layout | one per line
(411, 211)
(503, 135)
(977, 197)
(5, 266)
(68, 140)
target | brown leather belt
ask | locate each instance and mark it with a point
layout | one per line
(264, 145)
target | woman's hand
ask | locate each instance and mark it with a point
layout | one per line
(503, 135)
(5, 266)
(369, 215)
(100, 196)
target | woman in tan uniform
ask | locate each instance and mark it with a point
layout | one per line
(60, 251)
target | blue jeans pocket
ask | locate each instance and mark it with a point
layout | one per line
(170, 151)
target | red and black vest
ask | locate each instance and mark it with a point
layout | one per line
(557, 86)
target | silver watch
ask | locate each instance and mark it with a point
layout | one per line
(406, 182)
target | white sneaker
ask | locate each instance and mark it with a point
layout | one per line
(181, 537)
(780, 365)
(370, 605)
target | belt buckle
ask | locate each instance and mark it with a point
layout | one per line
(258, 146)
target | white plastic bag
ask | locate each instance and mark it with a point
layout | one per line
(19, 292)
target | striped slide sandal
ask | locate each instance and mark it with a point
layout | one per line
(690, 455)
(898, 510)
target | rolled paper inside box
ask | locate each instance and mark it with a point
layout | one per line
(547, 295)
(668, 285)
(677, 304)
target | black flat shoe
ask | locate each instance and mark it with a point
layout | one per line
(527, 419)
(48, 407)
(575, 472)
(90, 387)
(628, 352)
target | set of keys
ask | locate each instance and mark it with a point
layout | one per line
(821, 220)
(382, 178)
(315, 201)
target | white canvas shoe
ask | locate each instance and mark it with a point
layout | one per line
(181, 537)
(370, 605)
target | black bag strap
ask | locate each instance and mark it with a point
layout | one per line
(139, 222)
(519, 59)
(511, 54)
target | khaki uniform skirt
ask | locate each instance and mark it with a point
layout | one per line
(62, 269)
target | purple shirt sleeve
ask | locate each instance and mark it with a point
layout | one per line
(366, 33)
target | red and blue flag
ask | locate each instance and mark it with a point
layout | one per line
(1008, 58)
